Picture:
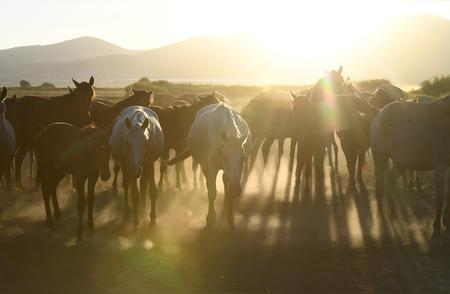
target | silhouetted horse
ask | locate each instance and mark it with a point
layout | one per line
(386, 94)
(268, 116)
(7, 142)
(35, 113)
(353, 118)
(136, 142)
(61, 149)
(313, 128)
(103, 114)
(414, 136)
(219, 139)
(176, 122)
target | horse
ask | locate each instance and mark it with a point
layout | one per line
(62, 148)
(386, 94)
(163, 99)
(268, 116)
(354, 116)
(313, 129)
(136, 142)
(219, 139)
(414, 136)
(103, 115)
(35, 113)
(176, 122)
(7, 142)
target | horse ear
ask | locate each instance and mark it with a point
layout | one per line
(70, 90)
(4, 93)
(77, 84)
(132, 91)
(151, 99)
(91, 81)
(145, 124)
(14, 97)
(340, 70)
(128, 123)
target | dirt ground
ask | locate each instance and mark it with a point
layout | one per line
(330, 243)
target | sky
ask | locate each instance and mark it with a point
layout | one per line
(145, 24)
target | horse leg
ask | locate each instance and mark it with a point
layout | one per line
(183, 173)
(265, 149)
(298, 170)
(178, 175)
(163, 168)
(292, 154)
(143, 188)
(318, 168)
(446, 220)
(194, 172)
(336, 151)
(116, 175)
(45, 187)
(280, 150)
(125, 184)
(20, 154)
(92, 180)
(308, 173)
(330, 156)
(361, 160)
(153, 191)
(439, 174)
(81, 180)
(211, 176)
(254, 152)
(55, 202)
(135, 199)
(380, 165)
(228, 202)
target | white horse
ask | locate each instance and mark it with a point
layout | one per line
(7, 141)
(219, 139)
(136, 143)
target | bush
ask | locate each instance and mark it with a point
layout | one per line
(436, 86)
(25, 84)
(47, 85)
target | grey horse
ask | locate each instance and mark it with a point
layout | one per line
(7, 142)
(415, 136)
(136, 142)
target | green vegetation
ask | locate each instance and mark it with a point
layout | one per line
(25, 84)
(46, 85)
(436, 86)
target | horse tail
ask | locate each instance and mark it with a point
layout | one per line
(180, 157)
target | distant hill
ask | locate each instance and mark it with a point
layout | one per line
(406, 51)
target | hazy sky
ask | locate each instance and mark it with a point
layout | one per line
(143, 24)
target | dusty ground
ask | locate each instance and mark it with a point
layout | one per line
(334, 242)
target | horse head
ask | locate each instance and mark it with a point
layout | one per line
(83, 94)
(141, 97)
(136, 140)
(331, 84)
(235, 147)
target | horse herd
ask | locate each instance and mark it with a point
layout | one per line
(76, 134)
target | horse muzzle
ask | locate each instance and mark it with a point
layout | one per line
(105, 174)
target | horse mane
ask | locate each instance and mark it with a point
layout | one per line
(229, 123)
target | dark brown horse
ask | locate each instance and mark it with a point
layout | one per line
(35, 113)
(175, 122)
(313, 129)
(61, 149)
(103, 114)
(354, 116)
(7, 142)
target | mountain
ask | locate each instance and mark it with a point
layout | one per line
(79, 48)
(406, 50)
